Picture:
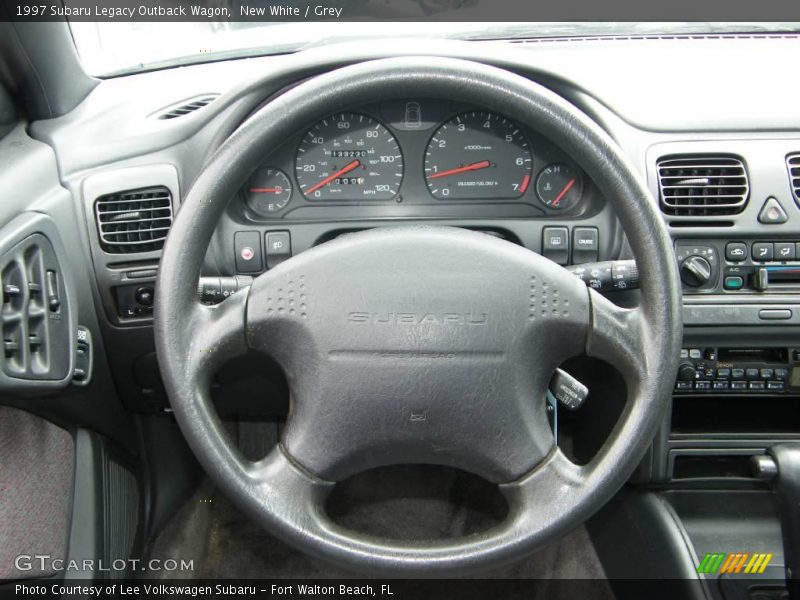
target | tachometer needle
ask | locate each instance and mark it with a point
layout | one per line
(563, 192)
(329, 178)
(473, 167)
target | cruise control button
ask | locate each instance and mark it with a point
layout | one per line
(763, 251)
(736, 251)
(585, 245)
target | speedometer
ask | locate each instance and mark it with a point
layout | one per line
(349, 156)
(478, 155)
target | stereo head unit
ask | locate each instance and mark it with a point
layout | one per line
(739, 370)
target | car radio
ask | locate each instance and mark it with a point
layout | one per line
(739, 371)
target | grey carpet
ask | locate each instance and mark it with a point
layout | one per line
(36, 472)
(225, 544)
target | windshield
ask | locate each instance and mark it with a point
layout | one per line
(113, 48)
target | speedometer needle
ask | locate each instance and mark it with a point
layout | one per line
(329, 178)
(473, 167)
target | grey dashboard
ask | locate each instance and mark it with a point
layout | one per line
(123, 130)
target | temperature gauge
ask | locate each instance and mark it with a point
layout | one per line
(559, 186)
(268, 191)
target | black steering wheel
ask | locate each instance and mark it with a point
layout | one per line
(418, 345)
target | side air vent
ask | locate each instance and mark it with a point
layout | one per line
(187, 107)
(134, 221)
(793, 164)
(702, 185)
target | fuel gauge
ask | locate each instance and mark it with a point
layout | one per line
(268, 191)
(559, 187)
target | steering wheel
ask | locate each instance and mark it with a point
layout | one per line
(426, 345)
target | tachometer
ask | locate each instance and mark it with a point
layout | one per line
(349, 156)
(478, 155)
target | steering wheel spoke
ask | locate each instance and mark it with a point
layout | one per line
(215, 335)
(617, 336)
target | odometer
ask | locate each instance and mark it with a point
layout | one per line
(478, 155)
(349, 156)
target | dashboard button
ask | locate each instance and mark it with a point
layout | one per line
(279, 248)
(775, 385)
(736, 251)
(247, 250)
(721, 385)
(555, 244)
(781, 373)
(767, 373)
(756, 385)
(723, 373)
(683, 385)
(733, 282)
(784, 251)
(738, 385)
(775, 314)
(585, 245)
(695, 353)
(702, 385)
(752, 373)
(737, 373)
(763, 251)
(772, 213)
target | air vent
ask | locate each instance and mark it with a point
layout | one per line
(702, 185)
(793, 164)
(187, 107)
(134, 221)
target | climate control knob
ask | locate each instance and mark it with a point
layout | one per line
(695, 271)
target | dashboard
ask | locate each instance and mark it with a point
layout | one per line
(417, 157)
(716, 165)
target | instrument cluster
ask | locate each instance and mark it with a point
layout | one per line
(418, 152)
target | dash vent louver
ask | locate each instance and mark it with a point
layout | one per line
(793, 166)
(702, 185)
(134, 221)
(187, 107)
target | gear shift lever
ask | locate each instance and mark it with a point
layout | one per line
(781, 466)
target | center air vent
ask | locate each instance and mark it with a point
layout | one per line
(134, 221)
(793, 164)
(702, 185)
(186, 107)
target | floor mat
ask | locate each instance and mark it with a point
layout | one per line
(224, 543)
